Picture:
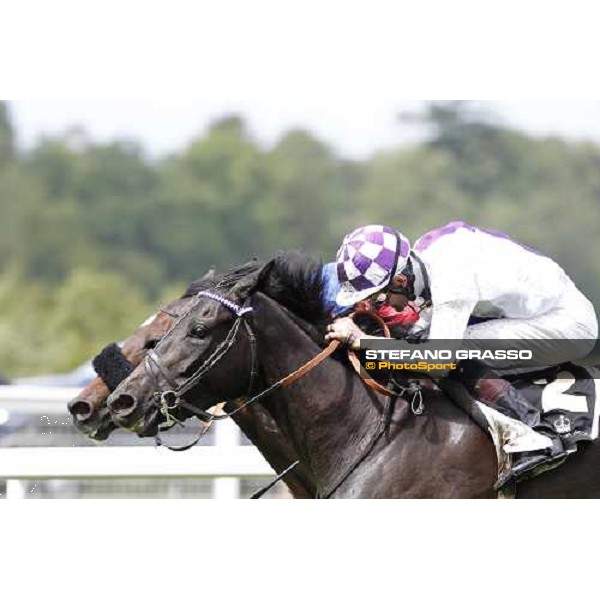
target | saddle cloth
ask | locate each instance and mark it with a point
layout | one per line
(567, 398)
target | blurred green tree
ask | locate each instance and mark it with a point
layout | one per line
(92, 309)
(7, 136)
(205, 212)
(305, 195)
(92, 234)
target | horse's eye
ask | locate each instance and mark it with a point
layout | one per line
(150, 344)
(198, 330)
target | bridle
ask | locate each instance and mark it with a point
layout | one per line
(171, 399)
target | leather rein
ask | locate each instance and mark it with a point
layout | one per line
(171, 399)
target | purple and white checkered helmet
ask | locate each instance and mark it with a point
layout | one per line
(366, 259)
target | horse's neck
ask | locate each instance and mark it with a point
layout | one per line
(261, 429)
(328, 412)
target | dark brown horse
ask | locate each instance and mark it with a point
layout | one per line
(331, 419)
(92, 417)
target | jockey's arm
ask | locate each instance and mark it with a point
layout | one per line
(449, 320)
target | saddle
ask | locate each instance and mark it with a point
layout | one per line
(566, 396)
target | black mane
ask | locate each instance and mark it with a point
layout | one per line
(292, 279)
(223, 281)
(199, 285)
(206, 282)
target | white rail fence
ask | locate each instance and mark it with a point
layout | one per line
(226, 461)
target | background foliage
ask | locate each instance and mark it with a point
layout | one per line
(94, 236)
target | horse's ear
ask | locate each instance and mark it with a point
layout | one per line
(210, 275)
(252, 282)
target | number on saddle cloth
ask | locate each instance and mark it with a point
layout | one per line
(566, 398)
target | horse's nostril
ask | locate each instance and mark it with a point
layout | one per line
(124, 403)
(82, 410)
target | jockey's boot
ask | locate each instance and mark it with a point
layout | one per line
(525, 465)
(503, 397)
(500, 395)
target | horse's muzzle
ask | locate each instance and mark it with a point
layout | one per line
(122, 406)
(82, 409)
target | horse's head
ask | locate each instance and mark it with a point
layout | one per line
(208, 355)
(90, 413)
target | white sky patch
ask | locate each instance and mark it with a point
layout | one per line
(354, 127)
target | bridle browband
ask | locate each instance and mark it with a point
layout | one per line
(236, 309)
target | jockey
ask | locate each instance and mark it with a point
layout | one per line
(459, 274)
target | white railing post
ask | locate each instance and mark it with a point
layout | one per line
(227, 435)
(15, 489)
